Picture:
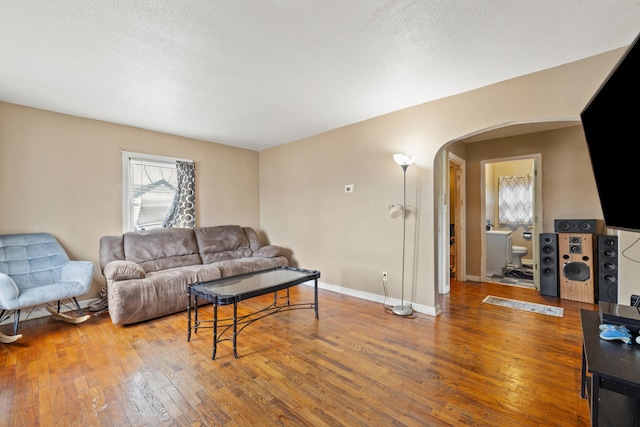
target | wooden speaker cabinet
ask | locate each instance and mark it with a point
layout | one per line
(577, 276)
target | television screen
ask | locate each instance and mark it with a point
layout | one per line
(612, 135)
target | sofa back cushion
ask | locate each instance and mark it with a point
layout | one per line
(222, 242)
(254, 240)
(160, 249)
(111, 249)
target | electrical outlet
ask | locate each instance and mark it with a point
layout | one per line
(384, 276)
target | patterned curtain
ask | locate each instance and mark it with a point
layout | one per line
(182, 213)
(515, 200)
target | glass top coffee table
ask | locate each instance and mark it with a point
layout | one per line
(232, 290)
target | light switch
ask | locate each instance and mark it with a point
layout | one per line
(350, 188)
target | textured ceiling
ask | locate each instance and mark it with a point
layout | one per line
(259, 73)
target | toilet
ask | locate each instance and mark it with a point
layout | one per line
(517, 252)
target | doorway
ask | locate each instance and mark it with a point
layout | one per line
(457, 218)
(471, 232)
(496, 176)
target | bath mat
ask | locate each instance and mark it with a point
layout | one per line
(526, 306)
(519, 274)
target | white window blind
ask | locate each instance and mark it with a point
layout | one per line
(150, 186)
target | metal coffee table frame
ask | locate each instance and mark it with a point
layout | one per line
(232, 290)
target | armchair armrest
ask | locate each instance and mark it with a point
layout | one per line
(269, 251)
(9, 292)
(123, 270)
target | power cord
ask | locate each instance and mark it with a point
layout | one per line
(389, 308)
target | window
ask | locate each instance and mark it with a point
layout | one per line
(158, 192)
(515, 200)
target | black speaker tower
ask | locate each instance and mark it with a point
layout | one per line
(549, 282)
(608, 268)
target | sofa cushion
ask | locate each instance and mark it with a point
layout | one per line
(269, 251)
(222, 242)
(192, 274)
(249, 265)
(161, 249)
(123, 270)
(254, 240)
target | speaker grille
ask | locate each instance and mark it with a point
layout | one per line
(581, 226)
(578, 271)
(549, 283)
(608, 268)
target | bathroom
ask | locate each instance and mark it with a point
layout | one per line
(509, 207)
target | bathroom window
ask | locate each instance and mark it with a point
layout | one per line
(515, 200)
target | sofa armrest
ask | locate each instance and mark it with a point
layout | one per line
(123, 270)
(9, 292)
(269, 251)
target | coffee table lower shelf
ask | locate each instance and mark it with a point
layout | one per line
(232, 290)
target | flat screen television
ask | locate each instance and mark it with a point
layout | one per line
(611, 123)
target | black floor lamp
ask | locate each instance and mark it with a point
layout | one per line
(404, 161)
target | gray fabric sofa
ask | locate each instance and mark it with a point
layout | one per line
(147, 273)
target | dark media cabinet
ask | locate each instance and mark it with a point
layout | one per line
(613, 386)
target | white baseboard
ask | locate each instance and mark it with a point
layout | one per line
(420, 308)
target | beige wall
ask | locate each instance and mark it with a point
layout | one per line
(568, 186)
(629, 266)
(568, 191)
(63, 174)
(350, 238)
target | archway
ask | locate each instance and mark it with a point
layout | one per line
(442, 186)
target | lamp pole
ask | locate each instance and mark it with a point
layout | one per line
(404, 161)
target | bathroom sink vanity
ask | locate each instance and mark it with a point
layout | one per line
(499, 246)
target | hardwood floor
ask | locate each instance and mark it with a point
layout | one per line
(476, 364)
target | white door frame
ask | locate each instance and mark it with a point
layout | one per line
(461, 214)
(443, 242)
(537, 212)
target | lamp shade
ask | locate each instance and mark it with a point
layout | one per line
(404, 159)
